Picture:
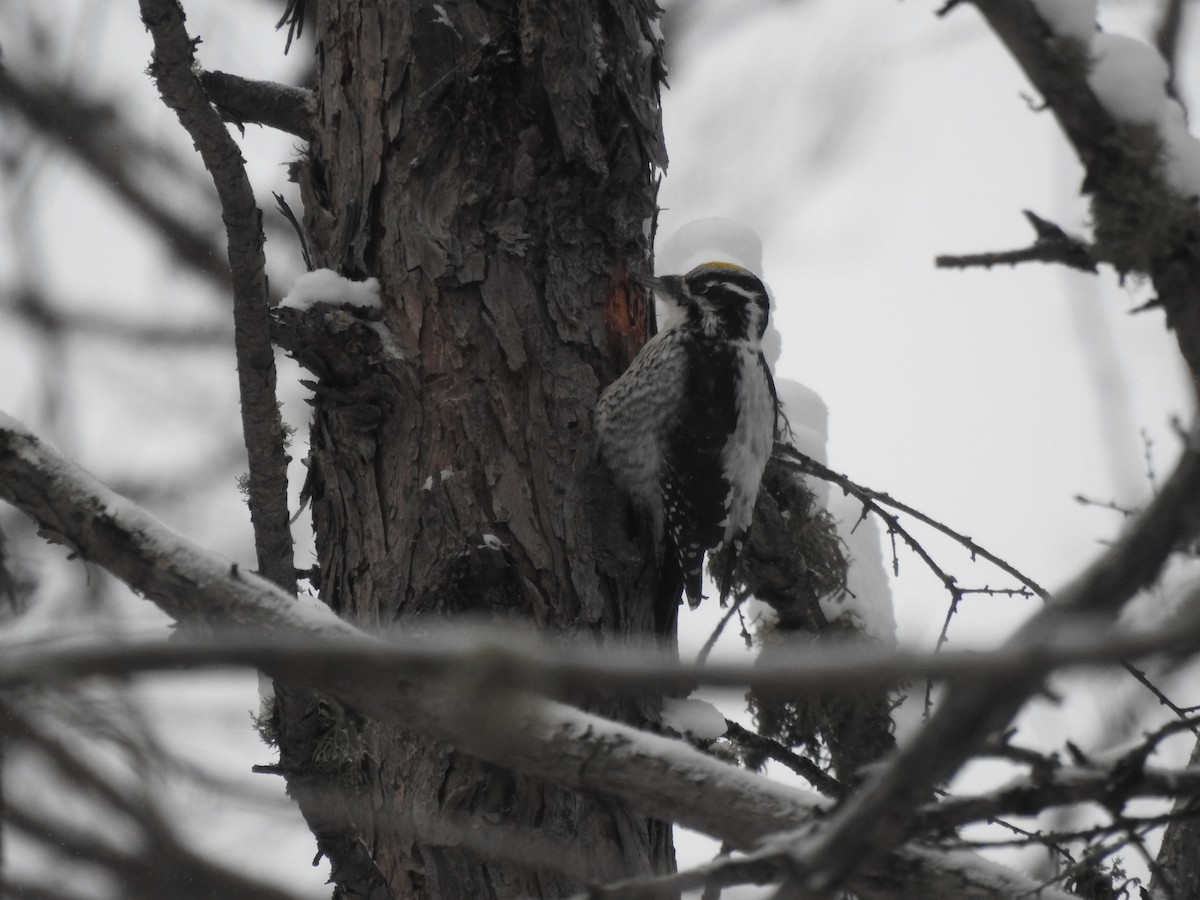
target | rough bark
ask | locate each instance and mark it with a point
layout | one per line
(1177, 874)
(493, 165)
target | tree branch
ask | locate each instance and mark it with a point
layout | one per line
(874, 500)
(772, 749)
(1053, 245)
(1063, 787)
(172, 66)
(549, 740)
(281, 106)
(186, 582)
(1140, 223)
(521, 662)
(878, 816)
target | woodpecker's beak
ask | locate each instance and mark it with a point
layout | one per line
(647, 281)
(669, 287)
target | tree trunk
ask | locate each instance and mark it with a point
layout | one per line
(493, 164)
(1177, 874)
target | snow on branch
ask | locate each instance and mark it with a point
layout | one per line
(1143, 167)
(173, 67)
(189, 583)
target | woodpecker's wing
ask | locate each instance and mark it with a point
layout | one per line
(634, 415)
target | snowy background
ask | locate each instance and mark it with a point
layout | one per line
(858, 139)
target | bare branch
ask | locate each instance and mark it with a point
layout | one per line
(1053, 245)
(172, 66)
(1063, 787)
(874, 500)
(879, 815)
(524, 662)
(282, 106)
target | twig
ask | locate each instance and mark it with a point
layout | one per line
(1085, 834)
(173, 68)
(873, 502)
(1060, 849)
(1125, 511)
(873, 499)
(946, 8)
(286, 211)
(1142, 678)
(879, 814)
(1137, 839)
(1148, 458)
(1063, 786)
(989, 591)
(1053, 245)
(702, 656)
(771, 749)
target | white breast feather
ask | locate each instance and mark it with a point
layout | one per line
(748, 448)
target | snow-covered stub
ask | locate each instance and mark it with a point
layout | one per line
(327, 286)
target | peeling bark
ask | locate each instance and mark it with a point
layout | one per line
(493, 166)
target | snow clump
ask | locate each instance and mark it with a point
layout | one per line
(1069, 18)
(327, 286)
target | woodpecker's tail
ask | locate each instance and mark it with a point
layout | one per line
(731, 554)
(691, 560)
(681, 572)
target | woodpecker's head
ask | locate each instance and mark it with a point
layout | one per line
(721, 297)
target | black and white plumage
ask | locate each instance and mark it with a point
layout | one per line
(687, 429)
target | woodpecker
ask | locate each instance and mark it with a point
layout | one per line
(688, 427)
